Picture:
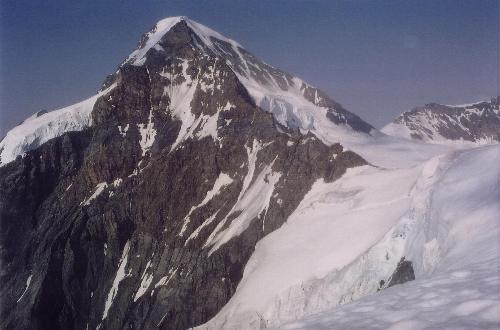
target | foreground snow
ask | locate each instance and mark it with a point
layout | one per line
(462, 290)
(347, 236)
(467, 299)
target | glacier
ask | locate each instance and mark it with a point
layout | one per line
(458, 283)
(323, 268)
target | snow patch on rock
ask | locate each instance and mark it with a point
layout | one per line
(98, 190)
(252, 201)
(147, 133)
(221, 181)
(120, 275)
(146, 280)
(28, 282)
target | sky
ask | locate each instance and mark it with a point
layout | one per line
(376, 58)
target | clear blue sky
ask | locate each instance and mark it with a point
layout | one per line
(377, 58)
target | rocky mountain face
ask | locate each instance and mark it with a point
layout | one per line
(142, 212)
(477, 123)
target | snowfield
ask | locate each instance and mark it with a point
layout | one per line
(467, 299)
(462, 289)
(347, 236)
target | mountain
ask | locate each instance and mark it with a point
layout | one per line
(140, 207)
(202, 188)
(477, 123)
(293, 102)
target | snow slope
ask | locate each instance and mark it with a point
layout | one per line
(462, 288)
(465, 300)
(347, 236)
(37, 130)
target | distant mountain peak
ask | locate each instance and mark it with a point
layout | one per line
(477, 122)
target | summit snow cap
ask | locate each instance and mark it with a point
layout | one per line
(153, 37)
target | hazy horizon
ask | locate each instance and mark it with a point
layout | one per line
(378, 59)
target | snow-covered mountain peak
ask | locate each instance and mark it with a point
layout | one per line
(293, 102)
(477, 123)
(152, 38)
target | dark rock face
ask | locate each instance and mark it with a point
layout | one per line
(403, 273)
(138, 222)
(342, 116)
(478, 122)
